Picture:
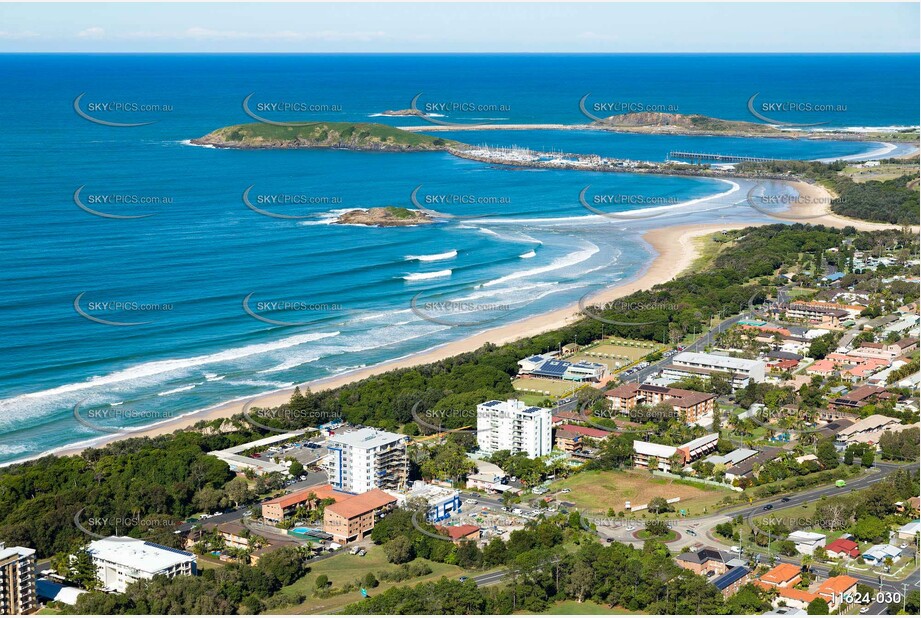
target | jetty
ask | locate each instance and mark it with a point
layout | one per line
(698, 157)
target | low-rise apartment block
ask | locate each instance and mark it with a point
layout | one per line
(121, 561)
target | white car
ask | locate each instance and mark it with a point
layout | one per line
(630, 528)
(470, 501)
(864, 609)
(735, 549)
(565, 491)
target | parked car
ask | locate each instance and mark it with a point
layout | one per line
(735, 549)
(470, 501)
(565, 490)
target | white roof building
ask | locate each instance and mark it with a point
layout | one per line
(121, 561)
(807, 542)
(365, 459)
(514, 426)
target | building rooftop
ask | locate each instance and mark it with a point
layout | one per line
(700, 358)
(320, 492)
(458, 532)
(836, 585)
(781, 573)
(133, 553)
(361, 504)
(366, 438)
(730, 577)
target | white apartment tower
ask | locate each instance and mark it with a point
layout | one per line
(365, 459)
(511, 425)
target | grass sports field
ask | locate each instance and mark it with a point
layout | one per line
(601, 490)
(545, 386)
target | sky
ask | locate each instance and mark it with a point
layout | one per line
(460, 27)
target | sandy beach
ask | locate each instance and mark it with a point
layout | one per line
(675, 249)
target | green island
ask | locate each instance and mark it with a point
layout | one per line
(339, 135)
(388, 216)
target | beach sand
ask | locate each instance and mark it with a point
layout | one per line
(676, 251)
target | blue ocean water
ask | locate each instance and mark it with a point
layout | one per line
(523, 243)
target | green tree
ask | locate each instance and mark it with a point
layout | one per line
(399, 550)
(817, 607)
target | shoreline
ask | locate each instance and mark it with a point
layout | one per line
(843, 134)
(674, 249)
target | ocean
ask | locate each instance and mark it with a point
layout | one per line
(216, 301)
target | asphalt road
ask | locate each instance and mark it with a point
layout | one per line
(699, 345)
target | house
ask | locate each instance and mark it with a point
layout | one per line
(835, 589)
(570, 348)
(729, 582)
(869, 430)
(690, 405)
(783, 575)
(842, 548)
(793, 597)
(877, 554)
(646, 452)
(705, 560)
(807, 542)
(862, 396)
(353, 518)
(910, 531)
(460, 534)
(748, 467)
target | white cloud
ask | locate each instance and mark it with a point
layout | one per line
(92, 33)
(198, 33)
(17, 36)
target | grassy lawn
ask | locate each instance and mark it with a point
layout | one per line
(545, 387)
(346, 568)
(610, 489)
(573, 608)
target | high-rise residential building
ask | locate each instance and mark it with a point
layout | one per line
(17, 580)
(514, 426)
(366, 459)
